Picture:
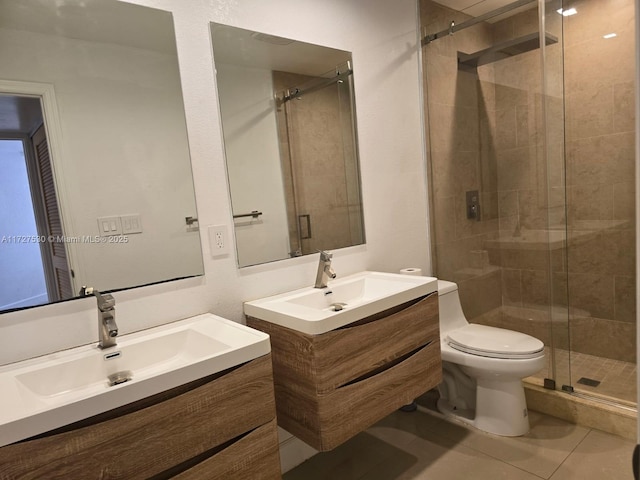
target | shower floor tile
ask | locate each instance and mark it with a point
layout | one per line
(617, 378)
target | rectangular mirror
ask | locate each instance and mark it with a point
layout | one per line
(96, 186)
(289, 126)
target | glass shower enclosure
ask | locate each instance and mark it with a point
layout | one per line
(531, 151)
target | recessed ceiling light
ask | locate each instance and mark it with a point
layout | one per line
(568, 12)
(609, 35)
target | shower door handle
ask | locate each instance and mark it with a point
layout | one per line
(305, 233)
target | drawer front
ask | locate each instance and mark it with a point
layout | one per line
(343, 355)
(352, 408)
(152, 440)
(255, 456)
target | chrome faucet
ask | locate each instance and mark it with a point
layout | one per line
(325, 272)
(107, 328)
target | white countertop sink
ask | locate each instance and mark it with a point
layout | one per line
(313, 310)
(51, 391)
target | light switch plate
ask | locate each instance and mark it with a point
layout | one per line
(131, 224)
(109, 226)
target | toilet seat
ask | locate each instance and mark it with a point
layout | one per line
(494, 342)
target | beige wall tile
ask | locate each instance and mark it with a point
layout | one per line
(511, 287)
(624, 114)
(582, 120)
(449, 85)
(534, 215)
(480, 294)
(603, 338)
(598, 61)
(535, 289)
(516, 168)
(444, 212)
(625, 298)
(455, 172)
(591, 294)
(601, 159)
(624, 201)
(601, 17)
(590, 202)
(619, 252)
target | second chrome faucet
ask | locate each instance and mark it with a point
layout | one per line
(107, 327)
(325, 272)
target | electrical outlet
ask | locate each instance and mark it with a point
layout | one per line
(218, 240)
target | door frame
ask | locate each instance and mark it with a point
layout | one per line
(53, 130)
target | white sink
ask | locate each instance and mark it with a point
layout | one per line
(345, 300)
(54, 390)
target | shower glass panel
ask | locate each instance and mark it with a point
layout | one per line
(531, 155)
(600, 121)
(317, 134)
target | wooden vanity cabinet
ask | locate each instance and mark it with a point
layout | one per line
(219, 427)
(331, 386)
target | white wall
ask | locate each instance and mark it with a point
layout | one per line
(253, 162)
(382, 36)
(124, 151)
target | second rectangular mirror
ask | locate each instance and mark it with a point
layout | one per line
(288, 115)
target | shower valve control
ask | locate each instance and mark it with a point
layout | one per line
(473, 205)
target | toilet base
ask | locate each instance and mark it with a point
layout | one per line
(501, 408)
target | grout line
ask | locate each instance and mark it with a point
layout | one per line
(572, 451)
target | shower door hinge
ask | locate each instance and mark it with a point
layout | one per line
(567, 388)
(549, 384)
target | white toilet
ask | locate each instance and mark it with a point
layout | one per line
(483, 368)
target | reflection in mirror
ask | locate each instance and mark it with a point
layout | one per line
(288, 118)
(96, 182)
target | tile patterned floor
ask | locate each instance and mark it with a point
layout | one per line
(617, 378)
(423, 445)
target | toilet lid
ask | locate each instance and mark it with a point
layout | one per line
(494, 342)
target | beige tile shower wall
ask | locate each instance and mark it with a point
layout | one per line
(460, 153)
(599, 76)
(315, 150)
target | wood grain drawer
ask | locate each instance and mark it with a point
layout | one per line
(255, 456)
(153, 439)
(348, 353)
(337, 416)
(329, 387)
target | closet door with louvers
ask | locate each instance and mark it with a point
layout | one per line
(54, 253)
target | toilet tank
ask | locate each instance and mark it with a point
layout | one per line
(449, 308)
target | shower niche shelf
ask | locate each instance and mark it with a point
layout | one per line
(469, 62)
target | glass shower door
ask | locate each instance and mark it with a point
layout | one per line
(496, 135)
(531, 152)
(599, 71)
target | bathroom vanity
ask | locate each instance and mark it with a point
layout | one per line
(219, 426)
(351, 367)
